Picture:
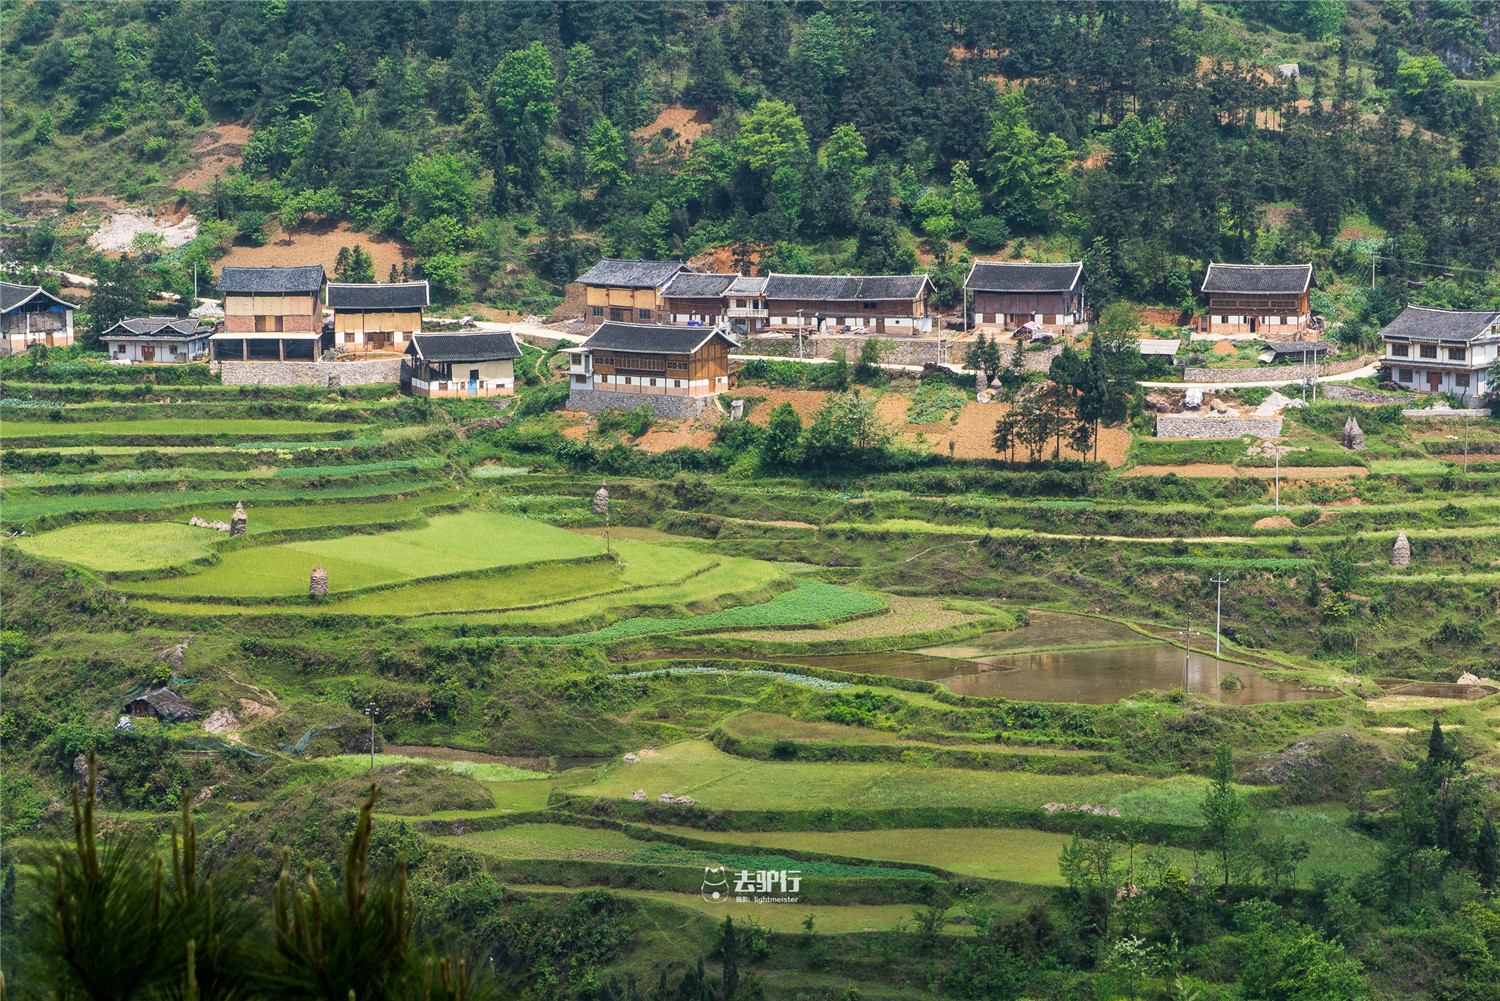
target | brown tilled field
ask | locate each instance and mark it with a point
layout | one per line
(220, 148)
(319, 244)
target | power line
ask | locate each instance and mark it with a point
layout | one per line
(1430, 264)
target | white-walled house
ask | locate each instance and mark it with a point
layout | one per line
(29, 314)
(157, 340)
(1442, 350)
(478, 364)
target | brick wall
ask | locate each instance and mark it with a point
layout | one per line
(1270, 373)
(310, 373)
(1191, 426)
(595, 400)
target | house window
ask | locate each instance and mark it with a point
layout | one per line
(1403, 375)
(1427, 350)
(1461, 380)
(596, 311)
(580, 379)
(627, 380)
(1456, 354)
(1400, 350)
(616, 313)
(677, 383)
(644, 314)
(868, 305)
(653, 382)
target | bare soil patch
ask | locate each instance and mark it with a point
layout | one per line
(1275, 521)
(319, 244)
(687, 123)
(1294, 474)
(1187, 469)
(973, 436)
(805, 401)
(218, 149)
(1223, 348)
(668, 435)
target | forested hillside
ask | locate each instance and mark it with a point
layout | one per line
(511, 144)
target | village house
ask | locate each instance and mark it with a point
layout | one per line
(675, 369)
(376, 317)
(157, 340)
(745, 304)
(270, 314)
(1041, 298)
(29, 314)
(877, 304)
(1267, 299)
(697, 299)
(475, 364)
(627, 291)
(1442, 350)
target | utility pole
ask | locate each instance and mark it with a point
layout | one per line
(1218, 611)
(195, 287)
(372, 710)
(1466, 448)
(1276, 447)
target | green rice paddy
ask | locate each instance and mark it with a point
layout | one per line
(167, 426)
(118, 547)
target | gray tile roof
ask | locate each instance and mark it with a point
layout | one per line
(495, 345)
(1425, 323)
(166, 705)
(385, 295)
(845, 288)
(631, 274)
(12, 295)
(747, 285)
(1017, 276)
(162, 327)
(1259, 279)
(1297, 348)
(652, 338)
(271, 281)
(687, 285)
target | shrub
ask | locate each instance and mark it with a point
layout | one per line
(988, 233)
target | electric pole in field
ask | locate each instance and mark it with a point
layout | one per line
(372, 710)
(1218, 611)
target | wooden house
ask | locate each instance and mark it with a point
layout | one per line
(163, 704)
(474, 364)
(29, 314)
(376, 317)
(1267, 299)
(878, 304)
(697, 299)
(1007, 295)
(270, 314)
(675, 369)
(157, 340)
(1443, 350)
(627, 291)
(745, 304)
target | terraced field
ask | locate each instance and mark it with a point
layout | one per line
(116, 547)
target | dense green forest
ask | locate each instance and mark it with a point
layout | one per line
(1148, 138)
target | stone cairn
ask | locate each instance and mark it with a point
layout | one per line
(1354, 438)
(238, 521)
(317, 584)
(1401, 551)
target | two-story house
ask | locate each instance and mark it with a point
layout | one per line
(698, 299)
(1442, 350)
(1010, 294)
(627, 291)
(879, 304)
(377, 317)
(675, 369)
(1272, 300)
(270, 314)
(468, 364)
(29, 314)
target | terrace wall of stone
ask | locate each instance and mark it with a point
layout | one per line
(316, 373)
(1270, 373)
(1192, 426)
(593, 401)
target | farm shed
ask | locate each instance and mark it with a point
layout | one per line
(482, 364)
(627, 291)
(1258, 299)
(377, 317)
(1294, 352)
(1160, 348)
(29, 314)
(162, 703)
(1009, 294)
(157, 340)
(881, 304)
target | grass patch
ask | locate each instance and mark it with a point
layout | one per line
(935, 402)
(19, 507)
(350, 765)
(185, 426)
(113, 548)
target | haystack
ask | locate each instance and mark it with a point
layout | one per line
(601, 501)
(238, 520)
(1401, 551)
(1354, 438)
(317, 584)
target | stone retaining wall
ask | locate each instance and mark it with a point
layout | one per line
(1444, 414)
(595, 400)
(1337, 392)
(1270, 373)
(1191, 426)
(907, 350)
(310, 373)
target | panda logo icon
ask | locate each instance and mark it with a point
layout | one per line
(715, 885)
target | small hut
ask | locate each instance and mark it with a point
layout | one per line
(1401, 551)
(238, 521)
(317, 584)
(162, 703)
(1354, 438)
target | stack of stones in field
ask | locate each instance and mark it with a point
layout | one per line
(198, 522)
(317, 584)
(1401, 551)
(1098, 811)
(238, 520)
(1354, 438)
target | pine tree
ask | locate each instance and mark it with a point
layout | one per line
(731, 960)
(1487, 856)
